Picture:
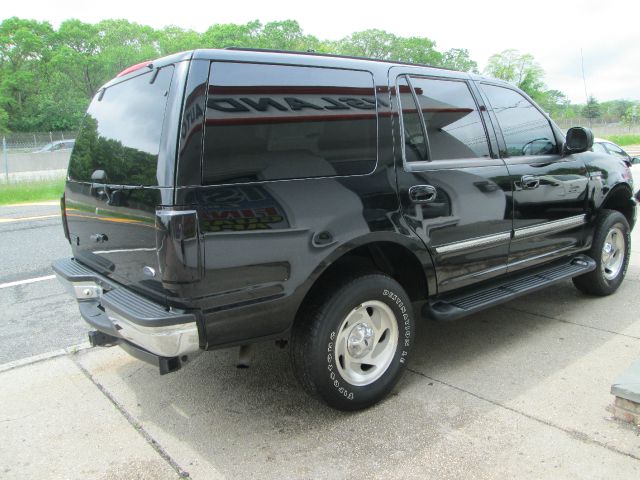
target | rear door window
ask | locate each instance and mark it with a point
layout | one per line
(454, 127)
(415, 137)
(272, 122)
(121, 131)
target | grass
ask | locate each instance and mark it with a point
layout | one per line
(31, 191)
(624, 139)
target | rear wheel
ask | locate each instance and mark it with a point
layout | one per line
(350, 344)
(610, 249)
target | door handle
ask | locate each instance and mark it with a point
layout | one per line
(422, 193)
(529, 182)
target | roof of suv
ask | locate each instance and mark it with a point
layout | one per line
(302, 58)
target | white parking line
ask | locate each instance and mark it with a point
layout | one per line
(25, 282)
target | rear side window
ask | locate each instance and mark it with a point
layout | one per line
(122, 130)
(526, 131)
(272, 122)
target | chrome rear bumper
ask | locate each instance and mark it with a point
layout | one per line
(119, 312)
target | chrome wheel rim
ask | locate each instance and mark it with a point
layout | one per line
(613, 252)
(366, 343)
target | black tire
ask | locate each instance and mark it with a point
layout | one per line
(603, 281)
(315, 353)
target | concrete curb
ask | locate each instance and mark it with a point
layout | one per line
(5, 367)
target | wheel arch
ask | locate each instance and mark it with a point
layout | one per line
(406, 261)
(620, 198)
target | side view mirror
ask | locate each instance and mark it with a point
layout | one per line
(635, 160)
(99, 176)
(579, 139)
(98, 180)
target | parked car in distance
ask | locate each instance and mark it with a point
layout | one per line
(601, 145)
(218, 198)
(605, 146)
(57, 146)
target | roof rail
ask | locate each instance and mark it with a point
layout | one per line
(332, 55)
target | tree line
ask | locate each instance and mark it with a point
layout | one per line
(48, 76)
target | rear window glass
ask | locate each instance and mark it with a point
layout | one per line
(271, 122)
(121, 132)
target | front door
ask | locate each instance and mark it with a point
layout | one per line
(550, 191)
(455, 194)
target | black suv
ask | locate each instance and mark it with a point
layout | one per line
(218, 198)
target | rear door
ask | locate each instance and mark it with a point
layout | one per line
(117, 177)
(550, 191)
(455, 193)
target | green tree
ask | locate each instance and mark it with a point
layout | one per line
(25, 48)
(592, 109)
(4, 121)
(286, 35)
(174, 39)
(224, 35)
(554, 102)
(458, 59)
(415, 50)
(368, 43)
(519, 69)
(631, 116)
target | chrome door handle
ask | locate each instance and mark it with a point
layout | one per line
(529, 182)
(422, 193)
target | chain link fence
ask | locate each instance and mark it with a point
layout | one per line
(600, 127)
(35, 156)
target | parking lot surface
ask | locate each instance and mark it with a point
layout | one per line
(517, 391)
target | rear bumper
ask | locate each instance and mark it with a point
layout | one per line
(116, 311)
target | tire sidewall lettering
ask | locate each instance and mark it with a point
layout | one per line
(405, 337)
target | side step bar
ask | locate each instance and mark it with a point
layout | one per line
(459, 305)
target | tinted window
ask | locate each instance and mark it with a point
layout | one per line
(415, 147)
(526, 131)
(269, 122)
(121, 131)
(454, 126)
(615, 150)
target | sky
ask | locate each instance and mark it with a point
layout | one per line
(554, 32)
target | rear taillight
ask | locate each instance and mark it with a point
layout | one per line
(63, 211)
(178, 244)
(135, 67)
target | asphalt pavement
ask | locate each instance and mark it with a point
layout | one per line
(518, 391)
(37, 317)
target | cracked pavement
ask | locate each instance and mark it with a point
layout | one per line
(517, 391)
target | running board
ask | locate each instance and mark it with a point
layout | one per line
(454, 306)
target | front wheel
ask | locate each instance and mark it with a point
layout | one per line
(610, 249)
(349, 345)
